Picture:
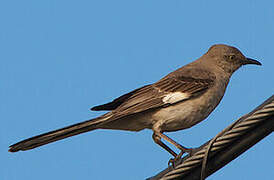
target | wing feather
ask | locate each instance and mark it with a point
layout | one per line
(169, 90)
(153, 95)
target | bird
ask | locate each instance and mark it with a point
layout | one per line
(178, 101)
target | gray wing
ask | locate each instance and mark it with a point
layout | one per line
(172, 89)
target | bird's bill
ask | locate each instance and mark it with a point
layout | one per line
(251, 61)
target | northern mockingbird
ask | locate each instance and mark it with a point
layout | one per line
(178, 101)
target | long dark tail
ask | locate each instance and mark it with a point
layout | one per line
(56, 135)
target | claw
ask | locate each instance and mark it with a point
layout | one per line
(171, 162)
(175, 160)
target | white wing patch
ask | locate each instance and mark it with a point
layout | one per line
(175, 97)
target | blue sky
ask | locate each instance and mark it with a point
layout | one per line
(59, 58)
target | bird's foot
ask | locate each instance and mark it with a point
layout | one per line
(189, 151)
(174, 161)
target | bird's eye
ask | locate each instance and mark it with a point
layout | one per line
(231, 57)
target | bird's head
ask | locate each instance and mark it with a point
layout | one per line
(228, 58)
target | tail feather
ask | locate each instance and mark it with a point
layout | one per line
(56, 135)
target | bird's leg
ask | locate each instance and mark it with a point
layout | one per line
(179, 146)
(157, 140)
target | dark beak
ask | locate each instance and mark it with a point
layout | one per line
(251, 61)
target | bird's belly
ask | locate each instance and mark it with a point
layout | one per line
(177, 117)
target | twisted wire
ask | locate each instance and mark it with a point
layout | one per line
(221, 141)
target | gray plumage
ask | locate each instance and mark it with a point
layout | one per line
(178, 101)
